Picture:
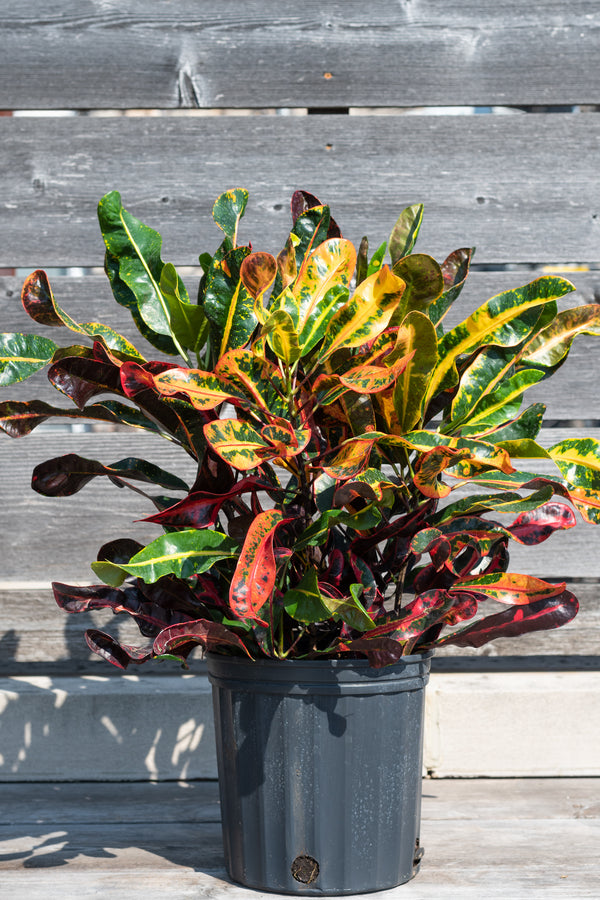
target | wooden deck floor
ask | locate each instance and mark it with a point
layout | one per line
(491, 838)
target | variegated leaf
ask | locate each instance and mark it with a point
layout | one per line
(38, 301)
(416, 336)
(424, 284)
(260, 381)
(237, 443)
(21, 355)
(331, 264)
(365, 315)
(254, 577)
(228, 209)
(181, 553)
(205, 390)
(405, 231)
(352, 458)
(505, 320)
(551, 345)
(227, 303)
(282, 336)
(510, 587)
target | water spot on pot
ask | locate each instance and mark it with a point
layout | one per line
(305, 869)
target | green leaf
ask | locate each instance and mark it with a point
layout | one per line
(416, 335)
(228, 304)
(304, 602)
(228, 210)
(525, 426)
(21, 355)
(137, 247)
(496, 406)
(187, 322)
(502, 502)
(376, 261)
(424, 284)
(405, 232)
(180, 553)
(126, 298)
(350, 610)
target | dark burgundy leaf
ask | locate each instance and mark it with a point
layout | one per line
(36, 297)
(380, 652)
(120, 655)
(80, 378)
(182, 638)
(20, 417)
(65, 475)
(551, 612)
(303, 201)
(200, 508)
(119, 551)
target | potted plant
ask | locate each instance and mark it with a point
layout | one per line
(357, 488)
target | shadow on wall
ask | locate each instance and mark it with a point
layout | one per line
(69, 718)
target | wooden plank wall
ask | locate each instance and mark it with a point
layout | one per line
(521, 185)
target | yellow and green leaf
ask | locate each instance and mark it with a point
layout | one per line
(505, 320)
(240, 445)
(416, 336)
(365, 315)
(205, 390)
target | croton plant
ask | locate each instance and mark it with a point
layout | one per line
(356, 461)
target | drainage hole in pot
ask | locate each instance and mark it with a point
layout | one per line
(305, 869)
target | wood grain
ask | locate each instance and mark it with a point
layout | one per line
(193, 54)
(485, 180)
(571, 394)
(498, 838)
(39, 544)
(36, 637)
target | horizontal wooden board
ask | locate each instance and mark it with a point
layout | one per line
(570, 395)
(193, 54)
(38, 544)
(502, 839)
(36, 637)
(489, 181)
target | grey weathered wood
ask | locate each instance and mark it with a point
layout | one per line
(486, 180)
(40, 523)
(570, 395)
(534, 838)
(37, 637)
(197, 801)
(50, 540)
(195, 54)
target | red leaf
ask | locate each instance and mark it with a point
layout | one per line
(185, 636)
(514, 621)
(537, 525)
(254, 577)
